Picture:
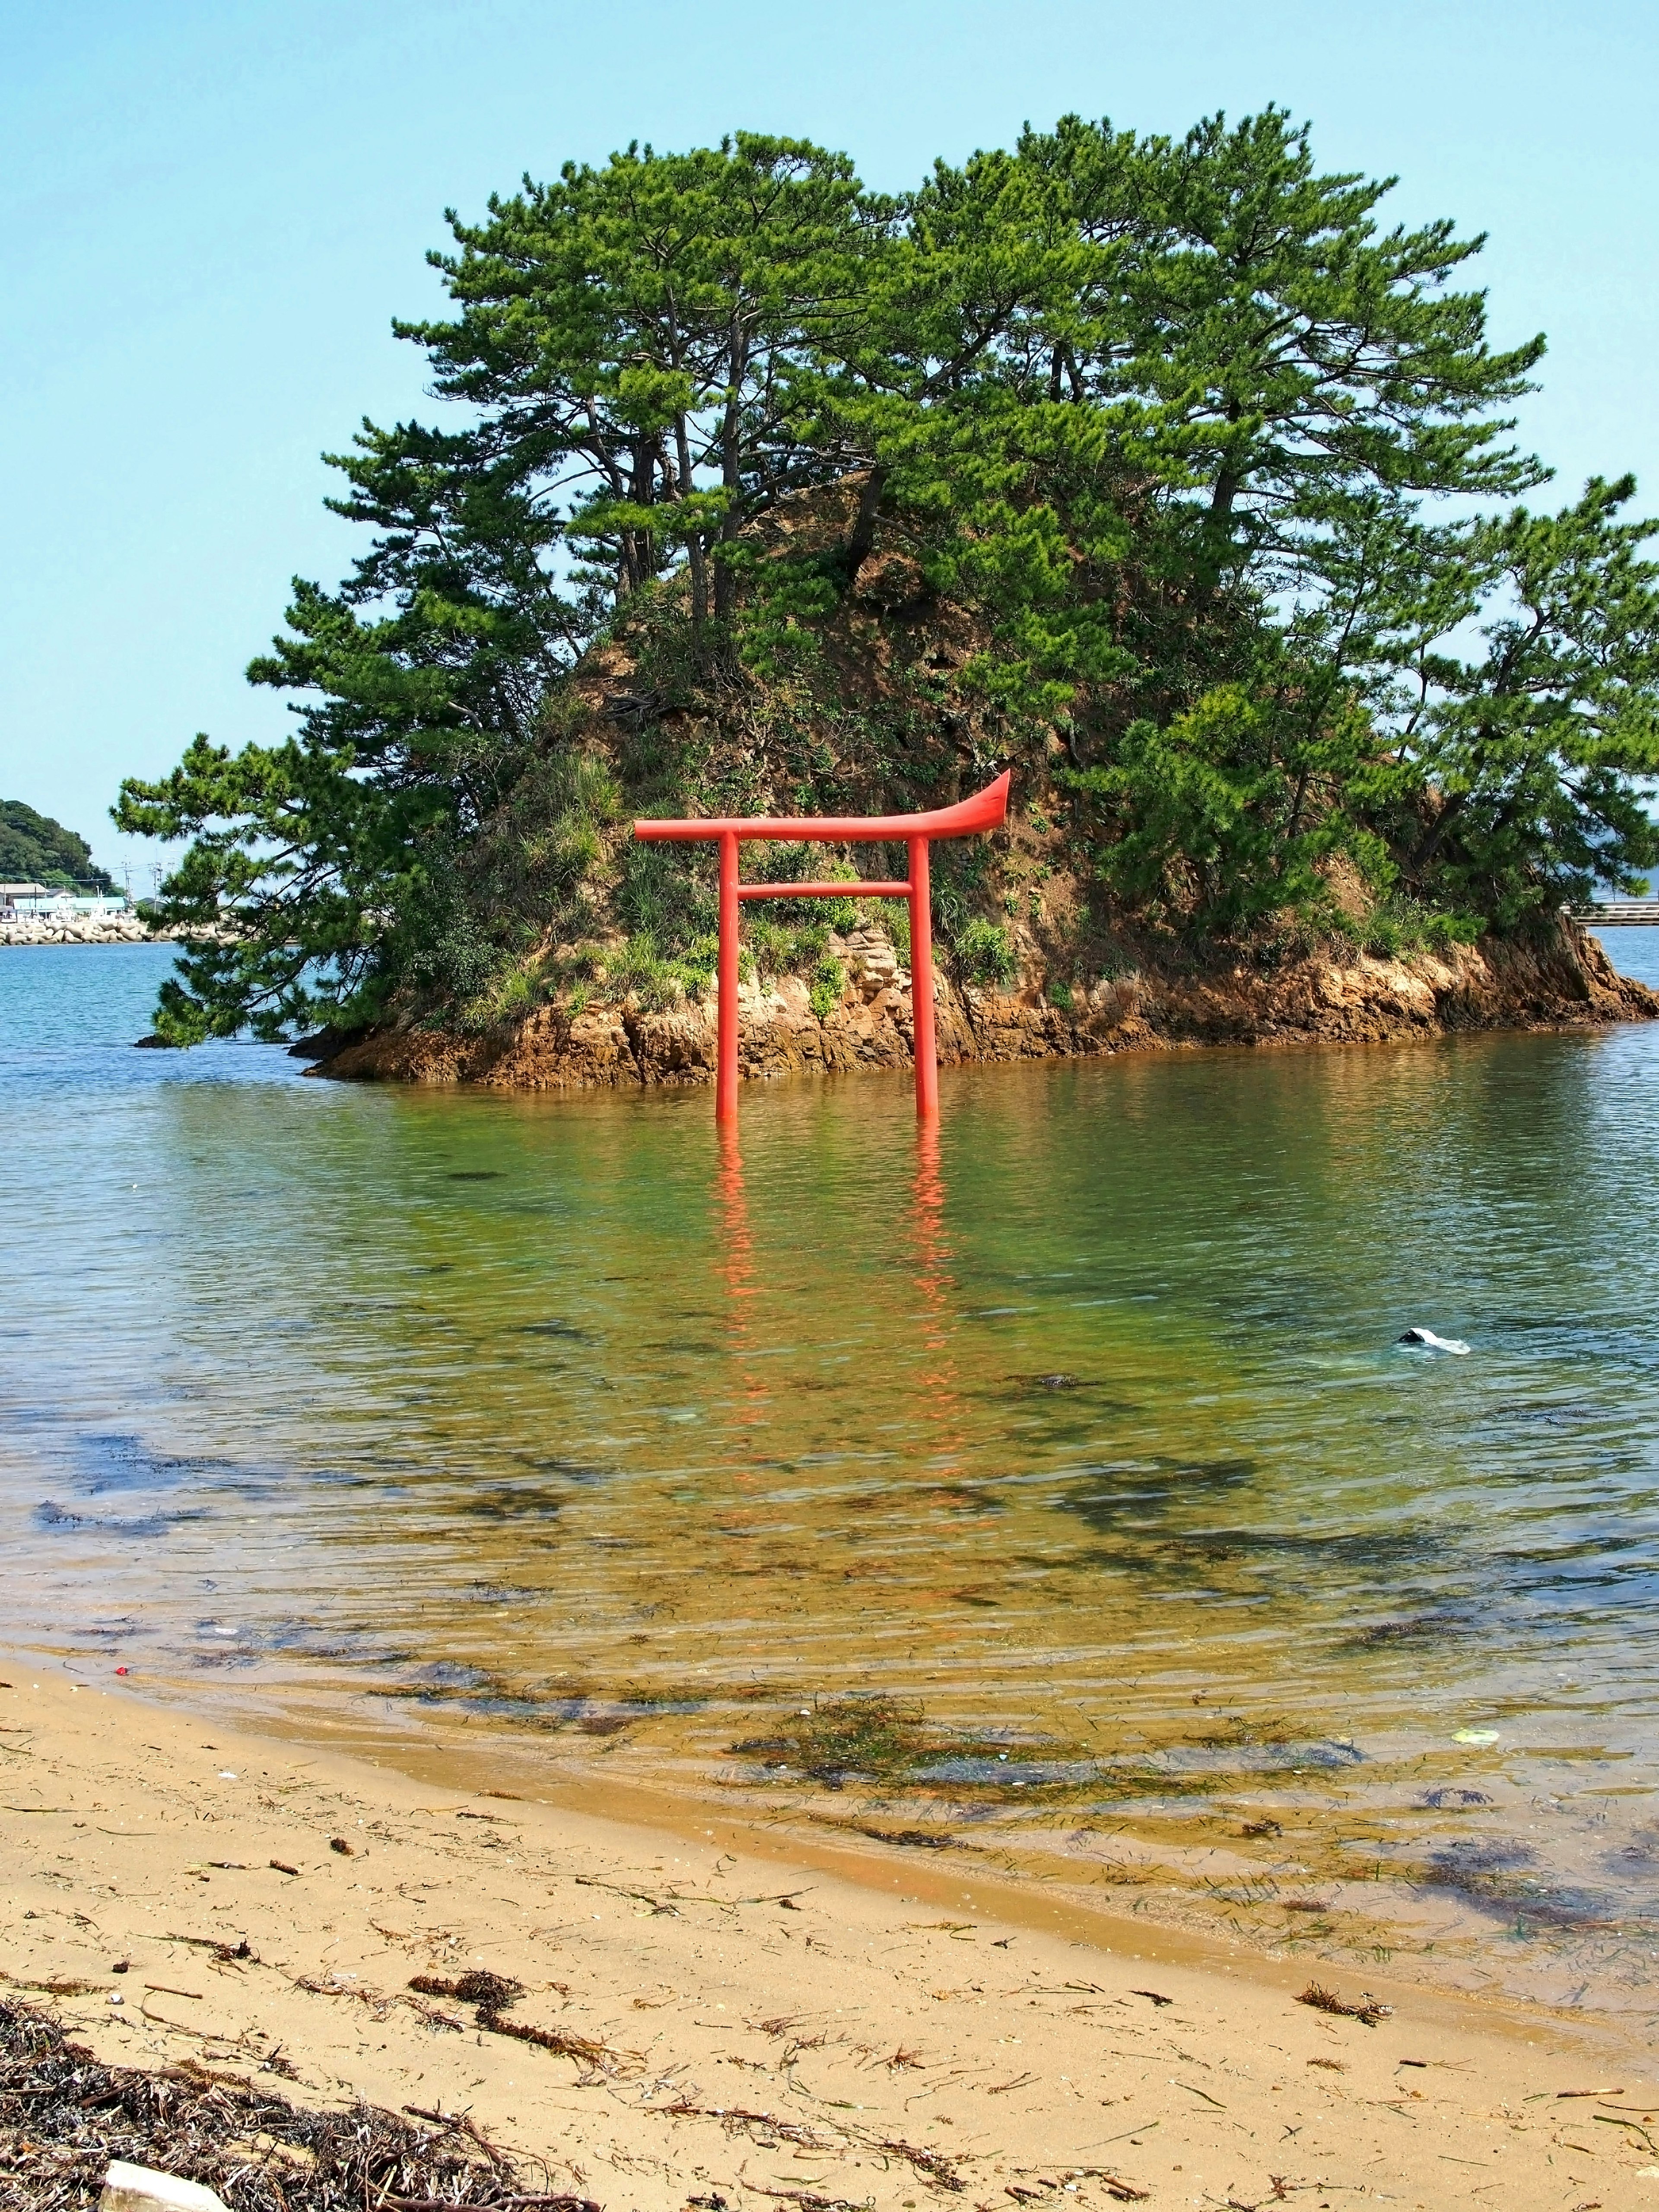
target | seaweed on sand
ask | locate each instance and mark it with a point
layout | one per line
(65, 2115)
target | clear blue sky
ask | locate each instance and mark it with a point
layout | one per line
(213, 210)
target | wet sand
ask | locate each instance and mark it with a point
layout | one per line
(708, 2024)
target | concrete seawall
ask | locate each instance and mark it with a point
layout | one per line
(71, 928)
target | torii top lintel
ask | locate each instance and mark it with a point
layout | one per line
(968, 817)
(986, 810)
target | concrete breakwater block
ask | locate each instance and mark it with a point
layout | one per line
(136, 2189)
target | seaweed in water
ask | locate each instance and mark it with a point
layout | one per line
(871, 1737)
(875, 1737)
(1423, 1628)
(63, 2116)
(913, 1839)
(1489, 1873)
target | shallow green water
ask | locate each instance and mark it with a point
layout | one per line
(1084, 1438)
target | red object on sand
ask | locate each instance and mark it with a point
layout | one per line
(986, 810)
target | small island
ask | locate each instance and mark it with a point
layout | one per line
(1162, 473)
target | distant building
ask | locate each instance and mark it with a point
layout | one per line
(11, 893)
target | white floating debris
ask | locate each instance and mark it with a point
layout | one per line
(1426, 1340)
(137, 2189)
(1475, 1736)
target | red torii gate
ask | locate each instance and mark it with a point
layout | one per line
(985, 810)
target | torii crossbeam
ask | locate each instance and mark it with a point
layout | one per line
(986, 810)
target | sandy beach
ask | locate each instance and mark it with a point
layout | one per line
(700, 2023)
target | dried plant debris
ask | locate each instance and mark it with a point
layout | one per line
(63, 2116)
(1122, 2191)
(1368, 2012)
(490, 1992)
(493, 1993)
(804, 2197)
(769, 2130)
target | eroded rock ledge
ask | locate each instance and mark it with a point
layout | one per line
(1565, 981)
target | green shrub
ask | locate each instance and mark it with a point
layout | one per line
(829, 983)
(1398, 924)
(1384, 938)
(1446, 930)
(637, 969)
(985, 951)
(1059, 994)
(769, 945)
(506, 997)
(776, 946)
(663, 895)
(807, 863)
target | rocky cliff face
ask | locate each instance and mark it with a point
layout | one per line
(1567, 980)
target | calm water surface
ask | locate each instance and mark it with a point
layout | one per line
(1060, 1490)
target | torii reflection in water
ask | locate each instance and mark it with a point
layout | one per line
(937, 1397)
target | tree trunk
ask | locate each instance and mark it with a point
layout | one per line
(694, 538)
(725, 584)
(1442, 821)
(862, 542)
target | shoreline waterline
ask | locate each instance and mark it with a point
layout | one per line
(709, 2001)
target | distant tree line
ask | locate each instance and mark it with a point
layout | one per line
(1222, 464)
(35, 849)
